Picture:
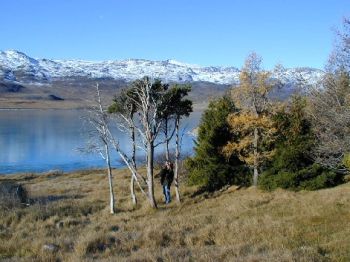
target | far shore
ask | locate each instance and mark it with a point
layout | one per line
(66, 106)
(61, 172)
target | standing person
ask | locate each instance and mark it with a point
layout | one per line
(166, 178)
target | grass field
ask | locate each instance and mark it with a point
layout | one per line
(231, 225)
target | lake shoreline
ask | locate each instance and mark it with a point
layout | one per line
(55, 171)
(58, 172)
(196, 107)
(34, 140)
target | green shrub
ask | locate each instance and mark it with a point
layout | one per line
(214, 176)
(292, 167)
(12, 195)
(310, 178)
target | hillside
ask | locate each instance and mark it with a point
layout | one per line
(26, 82)
(231, 225)
(17, 66)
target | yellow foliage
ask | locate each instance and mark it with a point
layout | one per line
(242, 126)
(245, 122)
(255, 85)
(252, 127)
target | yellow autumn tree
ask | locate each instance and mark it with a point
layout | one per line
(244, 127)
(252, 127)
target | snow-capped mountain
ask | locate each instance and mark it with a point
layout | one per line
(17, 66)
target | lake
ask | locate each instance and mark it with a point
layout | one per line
(43, 140)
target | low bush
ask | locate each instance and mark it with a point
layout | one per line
(217, 176)
(310, 178)
(12, 195)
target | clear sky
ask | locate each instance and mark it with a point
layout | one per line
(220, 32)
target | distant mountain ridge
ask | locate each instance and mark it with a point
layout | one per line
(19, 67)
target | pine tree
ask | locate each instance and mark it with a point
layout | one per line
(208, 167)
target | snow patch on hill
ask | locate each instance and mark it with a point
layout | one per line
(15, 65)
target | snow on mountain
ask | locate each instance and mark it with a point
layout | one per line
(26, 67)
(15, 65)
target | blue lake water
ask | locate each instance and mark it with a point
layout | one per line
(43, 140)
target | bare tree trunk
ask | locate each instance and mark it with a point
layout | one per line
(110, 183)
(256, 174)
(132, 181)
(103, 135)
(177, 155)
(166, 141)
(132, 190)
(150, 156)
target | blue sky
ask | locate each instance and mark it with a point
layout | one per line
(221, 32)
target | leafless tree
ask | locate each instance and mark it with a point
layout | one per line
(330, 112)
(339, 58)
(330, 104)
(101, 141)
(124, 110)
(144, 99)
(98, 119)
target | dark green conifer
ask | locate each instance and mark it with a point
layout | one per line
(208, 167)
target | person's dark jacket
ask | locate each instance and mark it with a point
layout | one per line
(166, 176)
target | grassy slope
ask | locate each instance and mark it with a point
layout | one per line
(231, 225)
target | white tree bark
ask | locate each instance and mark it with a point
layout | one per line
(166, 140)
(99, 121)
(110, 182)
(132, 182)
(150, 155)
(177, 155)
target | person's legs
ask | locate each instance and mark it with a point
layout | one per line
(167, 194)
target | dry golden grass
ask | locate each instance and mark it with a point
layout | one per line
(231, 225)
